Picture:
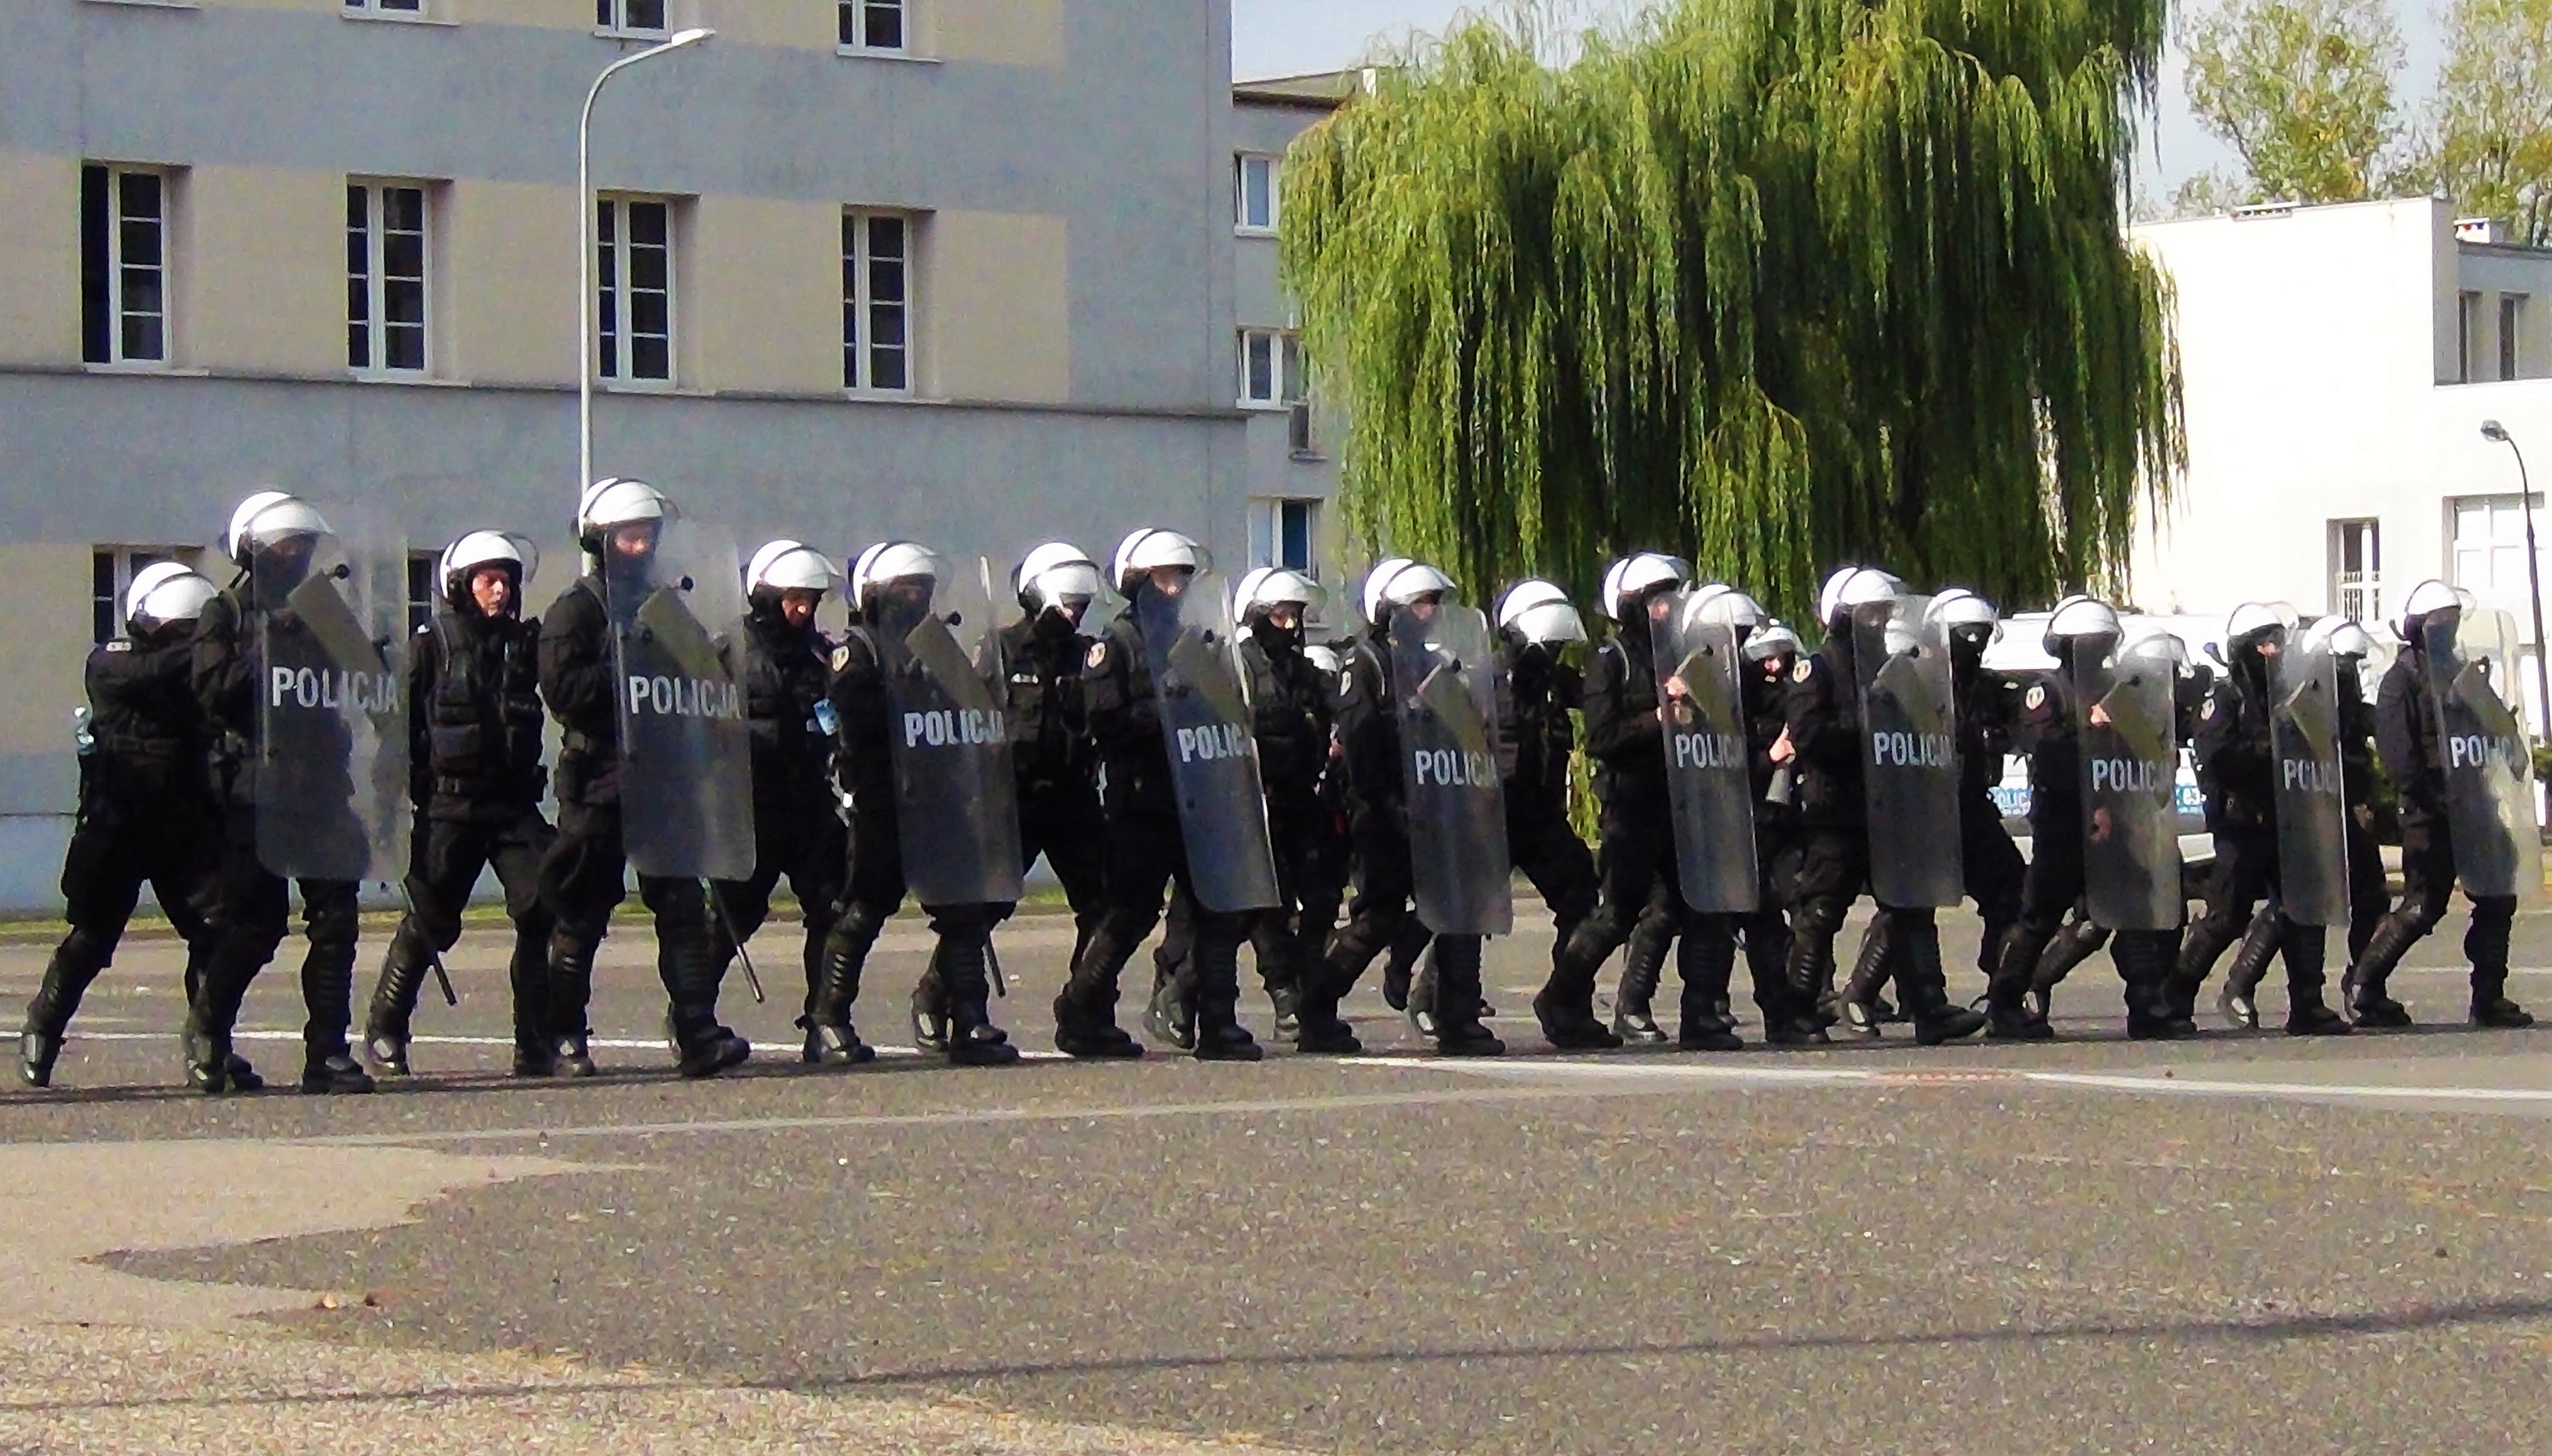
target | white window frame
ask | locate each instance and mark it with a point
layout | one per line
(410, 10)
(851, 27)
(2491, 561)
(612, 338)
(1241, 222)
(375, 280)
(1267, 531)
(862, 308)
(611, 18)
(1284, 351)
(117, 313)
(2514, 309)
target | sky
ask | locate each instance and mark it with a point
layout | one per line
(1271, 37)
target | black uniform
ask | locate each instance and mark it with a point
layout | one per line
(146, 816)
(2406, 735)
(2237, 767)
(1826, 734)
(583, 876)
(863, 764)
(1368, 726)
(1057, 762)
(1291, 723)
(798, 831)
(1146, 855)
(251, 906)
(474, 713)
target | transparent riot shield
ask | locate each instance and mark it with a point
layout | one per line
(1444, 692)
(686, 757)
(327, 614)
(2312, 802)
(1909, 753)
(2125, 712)
(1708, 781)
(2480, 736)
(1206, 726)
(956, 799)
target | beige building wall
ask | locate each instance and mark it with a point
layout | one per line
(44, 653)
(996, 307)
(39, 302)
(509, 283)
(794, 23)
(764, 296)
(261, 276)
(995, 32)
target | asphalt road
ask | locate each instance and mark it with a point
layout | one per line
(2244, 1242)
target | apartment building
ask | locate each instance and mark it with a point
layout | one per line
(967, 272)
(2339, 361)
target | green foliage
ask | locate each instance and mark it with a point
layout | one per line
(1774, 284)
(2490, 125)
(2304, 90)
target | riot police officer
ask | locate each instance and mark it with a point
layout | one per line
(474, 726)
(1825, 738)
(1380, 808)
(798, 829)
(2411, 724)
(275, 533)
(929, 782)
(145, 810)
(619, 522)
(1989, 863)
(1151, 845)
(2238, 769)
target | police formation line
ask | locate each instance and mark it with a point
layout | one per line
(1168, 745)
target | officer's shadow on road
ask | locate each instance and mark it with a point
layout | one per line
(495, 1083)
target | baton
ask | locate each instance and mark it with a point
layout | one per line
(992, 962)
(743, 957)
(433, 957)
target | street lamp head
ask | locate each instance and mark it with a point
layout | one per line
(2493, 430)
(692, 36)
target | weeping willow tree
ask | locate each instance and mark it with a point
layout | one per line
(1772, 284)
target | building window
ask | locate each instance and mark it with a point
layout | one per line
(2357, 570)
(630, 17)
(873, 24)
(877, 301)
(2489, 548)
(1271, 368)
(124, 265)
(634, 291)
(1256, 201)
(111, 569)
(2467, 337)
(384, 7)
(2512, 333)
(385, 277)
(1286, 534)
(422, 588)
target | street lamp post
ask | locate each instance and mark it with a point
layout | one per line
(584, 248)
(2493, 430)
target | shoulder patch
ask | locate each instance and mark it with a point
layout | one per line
(2207, 712)
(1806, 670)
(2037, 698)
(1096, 657)
(842, 657)
(1346, 682)
(425, 629)
(121, 644)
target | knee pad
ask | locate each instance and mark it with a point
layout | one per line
(1820, 916)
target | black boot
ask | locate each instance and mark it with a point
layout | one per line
(1705, 960)
(2143, 964)
(830, 1039)
(1810, 966)
(1459, 1032)
(2486, 946)
(929, 1009)
(1868, 973)
(333, 1073)
(1400, 963)
(2010, 1014)
(1212, 982)
(1643, 959)
(1320, 1030)
(37, 1053)
(208, 1059)
(1565, 1005)
(1171, 1014)
(1920, 980)
(2364, 983)
(394, 996)
(973, 1039)
(2075, 942)
(2307, 1014)
(571, 993)
(527, 981)
(2239, 1000)
(1085, 1013)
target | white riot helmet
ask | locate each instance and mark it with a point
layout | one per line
(2253, 621)
(2078, 618)
(1324, 657)
(1538, 612)
(462, 559)
(1151, 549)
(1830, 594)
(1771, 640)
(788, 566)
(1866, 586)
(2349, 642)
(1406, 585)
(1957, 607)
(1726, 606)
(267, 517)
(894, 561)
(613, 502)
(1377, 579)
(1267, 588)
(1055, 575)
(1637, 575)
(2429, 596)
(165, 592)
